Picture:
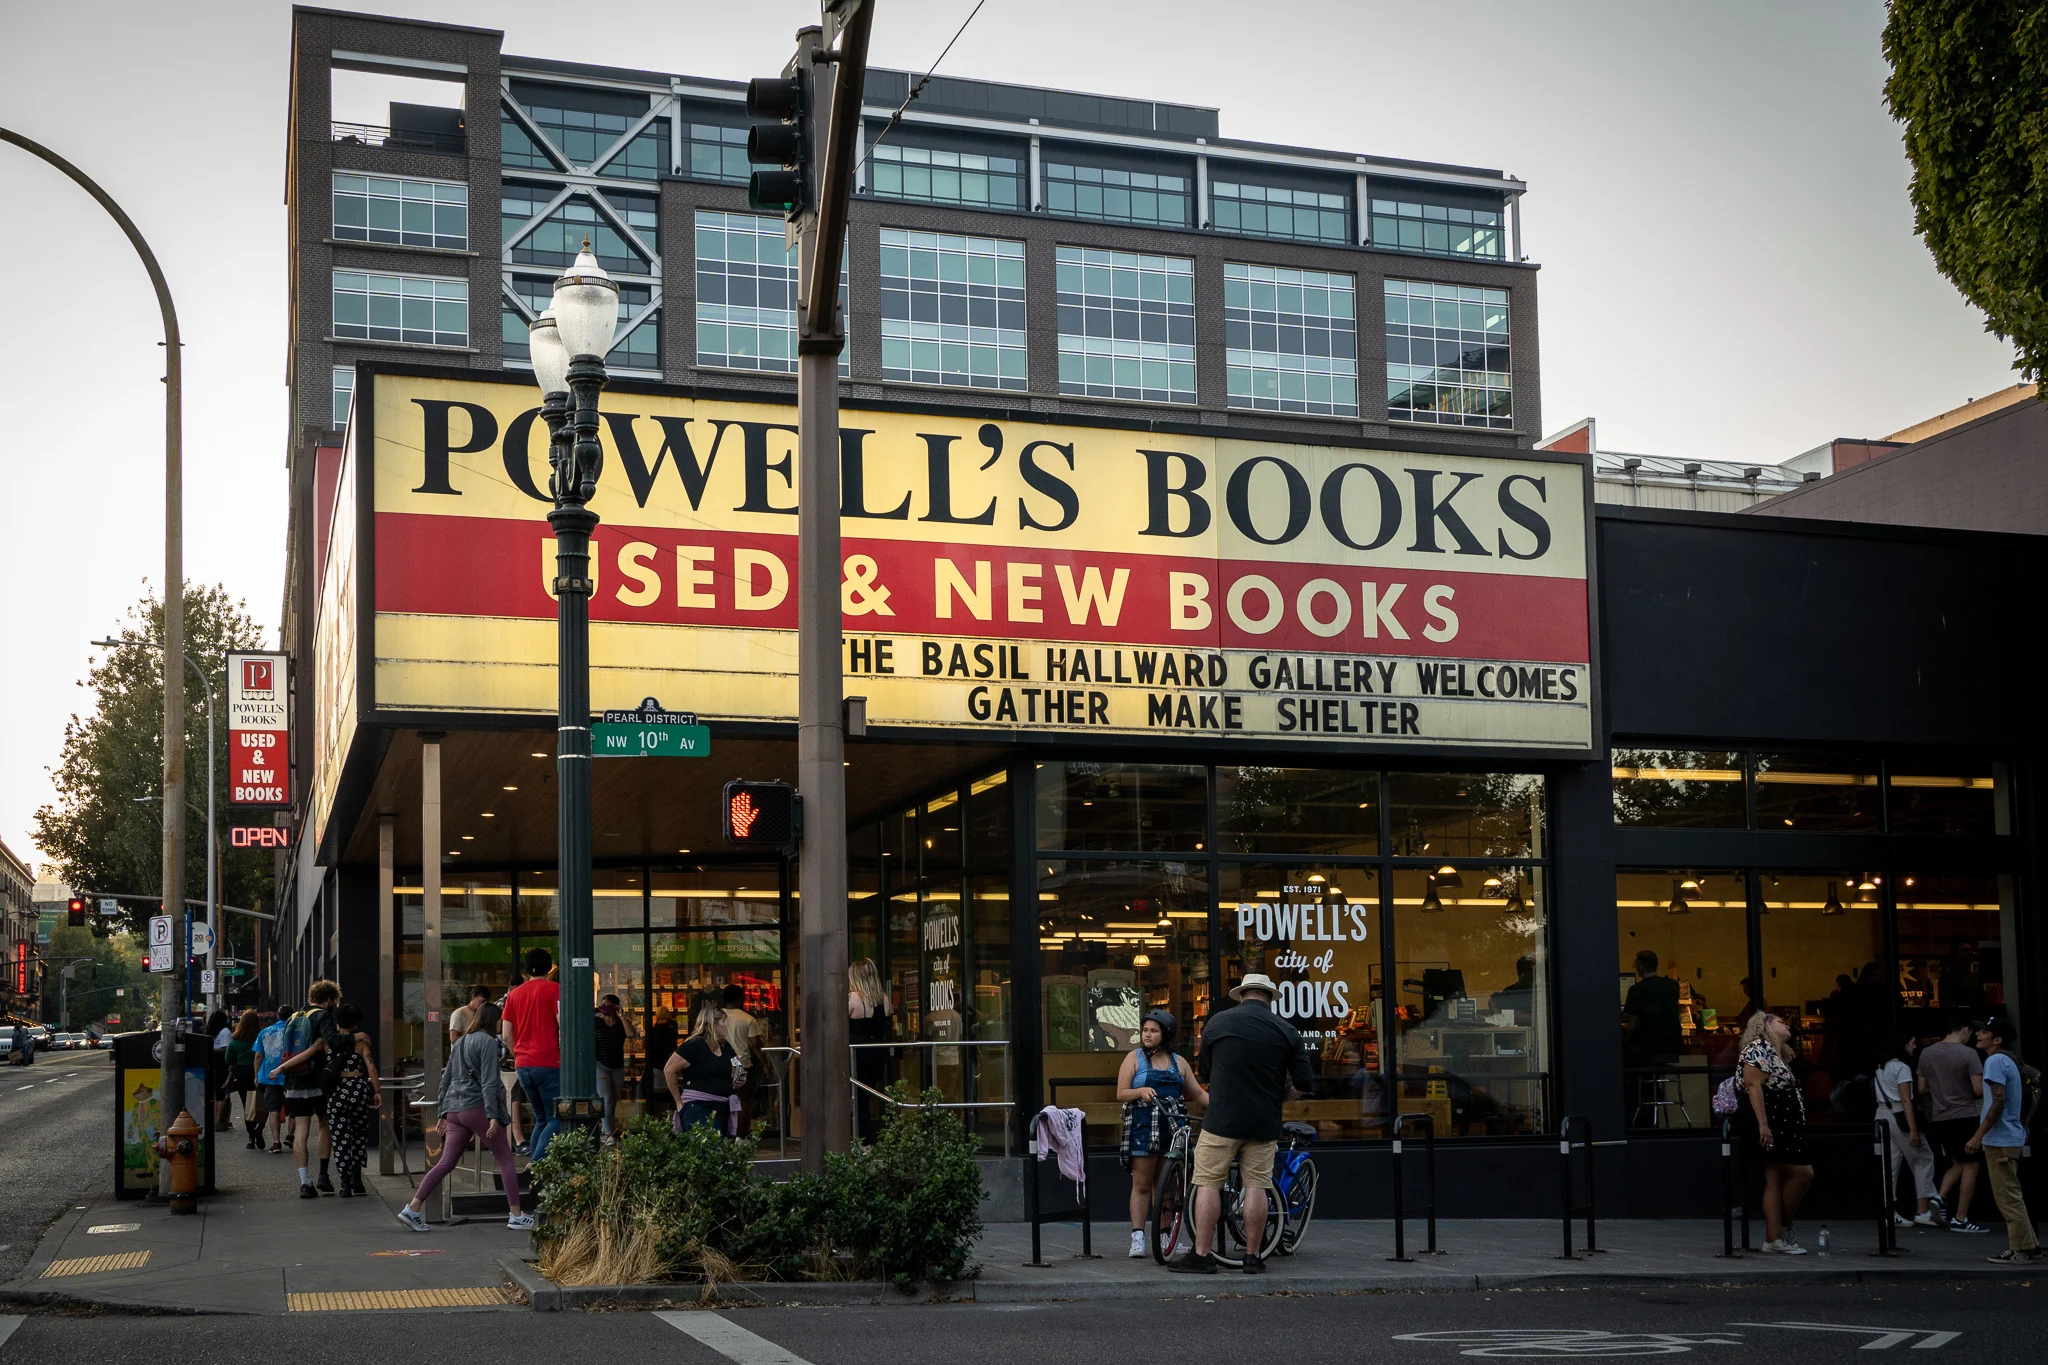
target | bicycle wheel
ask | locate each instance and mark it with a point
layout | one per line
(1300, 1205)
(1230, 1228)
(1170, 1223)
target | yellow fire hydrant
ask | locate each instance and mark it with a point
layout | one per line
(179, 1145)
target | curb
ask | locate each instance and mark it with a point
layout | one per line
(546, 1296)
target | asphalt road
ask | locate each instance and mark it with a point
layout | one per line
(56, 1144)
(2004, 1322)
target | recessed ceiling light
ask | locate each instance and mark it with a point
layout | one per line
(487, 814)
(682, 850)
(468, 838)
(510, 788)
(455, 853)
(540, 755)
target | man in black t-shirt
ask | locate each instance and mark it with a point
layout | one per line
(1253, 1062)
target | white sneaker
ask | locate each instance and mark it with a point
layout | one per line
(1926, 1220)
(1785, 1247)
(413, 1219)
(1138, 1250)
(521, 1222)
(1899, 1220)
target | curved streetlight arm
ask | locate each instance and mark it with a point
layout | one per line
(169, 1080)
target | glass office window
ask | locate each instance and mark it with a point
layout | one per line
(1955, 937)
(1823, 956)
(422, 310)
(1472, 1011)
(1682, 960)
(517, 147)
(1948, 798)
(1291, 340)
(928, 175)
(344, 393)
(1125, 807)
(372, 208)
(1127, 325)
(637, 348)
(1315, 930)
(1297, 810)
(1271, 211)
(1816, 792)
(952, 310)
(645, 157)
(1438, 229)
(1466, 815)
(558, 237)
(746, 293)
(1105, 960)
(1447, 355)
(581, 134)
(719, 152)
(1143, 197)
(1678, 789)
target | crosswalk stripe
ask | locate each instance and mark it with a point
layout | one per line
(729, 1339)
(7, 1325)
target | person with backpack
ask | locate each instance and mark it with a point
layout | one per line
(270, 1042)
(2001, 1134)
(350, 1079)
(305, 1088)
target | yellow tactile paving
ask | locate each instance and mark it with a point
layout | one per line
(92, 1265)
(489, 1296)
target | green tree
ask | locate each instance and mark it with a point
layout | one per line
(104, 829)
(116, 966)
(1970, 83)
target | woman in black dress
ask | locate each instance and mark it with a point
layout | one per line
(867, 1008)
(1774, 1126)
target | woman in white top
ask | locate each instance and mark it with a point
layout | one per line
(1909, 1144)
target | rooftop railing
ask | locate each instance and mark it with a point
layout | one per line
(402, 139)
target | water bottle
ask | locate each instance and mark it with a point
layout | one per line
(1824, 1240)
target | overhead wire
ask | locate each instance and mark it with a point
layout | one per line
(917, 89)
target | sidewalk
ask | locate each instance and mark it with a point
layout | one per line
(256, 1245)
(258, 1248)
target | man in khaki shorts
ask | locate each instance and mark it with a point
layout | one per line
(1252, 1061)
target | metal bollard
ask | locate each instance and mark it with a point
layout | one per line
(1881, 1147)
(1428, 1123)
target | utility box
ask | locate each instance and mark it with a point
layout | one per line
(140, 1115)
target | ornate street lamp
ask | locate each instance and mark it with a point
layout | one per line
(568, 344)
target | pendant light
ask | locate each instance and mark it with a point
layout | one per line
(1833, 905)
(1431, 905)
(1679, 905)
(1448, 876)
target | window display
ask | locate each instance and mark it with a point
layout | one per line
(1824, 954)
(1683, 960)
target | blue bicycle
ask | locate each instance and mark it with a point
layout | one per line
(1170, 1225)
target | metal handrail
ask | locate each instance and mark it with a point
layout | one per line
(781, 1095)
(402, 139)
(929, 1046)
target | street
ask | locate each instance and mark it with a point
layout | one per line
(56, 1145)
(1979, 1322)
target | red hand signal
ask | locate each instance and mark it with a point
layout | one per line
(744, 814)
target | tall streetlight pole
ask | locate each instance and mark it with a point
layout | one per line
(568, 343)
(171, 1075)
(212, 833)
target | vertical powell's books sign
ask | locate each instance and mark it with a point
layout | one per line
(997, 575)
(259, 730)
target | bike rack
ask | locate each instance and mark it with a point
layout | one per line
(1039, 1217)
(1734, 1191)
(1565, 1147)
(1428, 1122)
(1881, 1147)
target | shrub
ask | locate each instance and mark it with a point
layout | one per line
(661, 1203)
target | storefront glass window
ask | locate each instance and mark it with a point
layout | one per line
(943, 839)
(1816, 792)
(988, 821)
(537, 902)
(905, 958)
(1949, 798)
(620, 963)
(1683, 959)
(863, 891)
(1116, 939)
(1122, 807)
(1466, 815)
(1316, 931)
(901, 849)
(990, 943)
(1297, 810)
(1678, 788)
(724, 895)
(684, 964)
(1955, 947)
(467, 907)
(1473, 993)
(1823, 956)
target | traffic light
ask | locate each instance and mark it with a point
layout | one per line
(762, 814)
(786, 142)
(77, 911)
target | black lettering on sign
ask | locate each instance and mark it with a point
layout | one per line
(434, 444)
(1161, 491)
(757, 465)
(853, 495)
(1237, 499)
(1429, 512)
(1043, 481)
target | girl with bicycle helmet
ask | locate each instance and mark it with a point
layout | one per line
(1154, 1084)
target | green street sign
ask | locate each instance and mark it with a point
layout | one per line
(234, 971)
(649, 731)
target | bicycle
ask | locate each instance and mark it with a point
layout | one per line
(1169, 1226)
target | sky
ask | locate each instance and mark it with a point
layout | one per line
(1717, 199)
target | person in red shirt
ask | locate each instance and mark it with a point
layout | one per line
(533, 1030)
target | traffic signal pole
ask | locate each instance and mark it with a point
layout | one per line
(828, 118)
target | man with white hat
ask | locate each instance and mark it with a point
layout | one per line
(1253, 1062)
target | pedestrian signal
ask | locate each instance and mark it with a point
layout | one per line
(762, 814)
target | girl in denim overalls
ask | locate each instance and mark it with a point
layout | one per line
(1154, 1084)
